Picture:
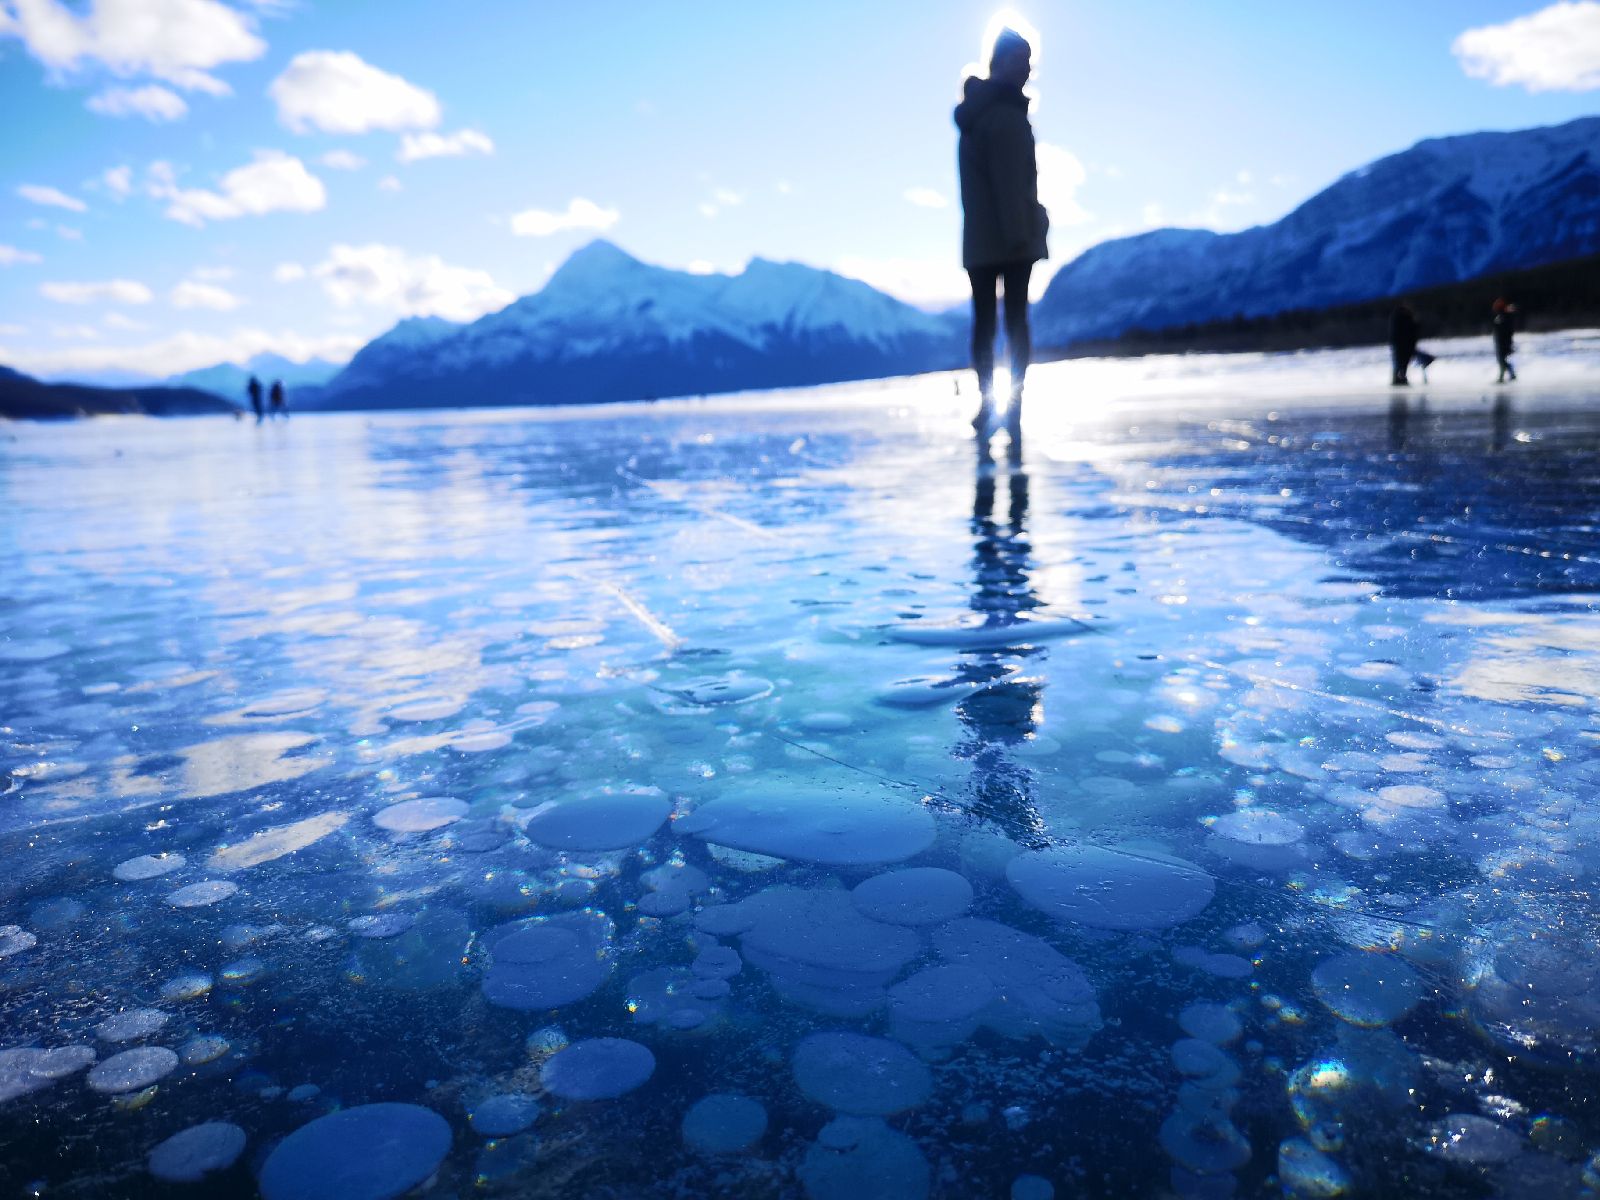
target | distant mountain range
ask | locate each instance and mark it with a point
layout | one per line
(229, 379)
(26, 398)
(609, 327)
(1446, 210)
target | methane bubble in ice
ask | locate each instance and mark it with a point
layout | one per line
(198, 895)
(545, 962)
(599, 819)
(370, 1152)
(1367, 989)
(988, 637)
(844, 826)
(924, 691)
(1111, 889)
(1212, 1023)
(855, 1157)
(1309, 1174)
(1538, 996)
(598, 1069)
(1032, 1187)
(860, 1076)
(189, 1156)
(131, 1025)
(816, 948)
(939, 1006)
(734, 688)
(1258, 827)
(914, 896)
(1205, 1143)
(504, 1114)
(1465, 1138)
(62, 1061)
(186, 987)
(421, 815)
(148, 866)
(132, 1069)
(724, 1124)
(198, 1051)
(1037, 988)
(14, 939)
(381, 925)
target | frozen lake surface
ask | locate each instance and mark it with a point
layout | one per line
(775, 797)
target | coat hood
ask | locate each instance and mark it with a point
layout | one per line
(979, 95)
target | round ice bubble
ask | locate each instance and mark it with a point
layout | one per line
(148, 866)
(132, 1070)
(1032, 1187)
(1258, 827)
(1214, 1023)
(198, 895)
(1309, 1174)
(207, 1048)
(733, 688)
(1367, 989)
(381, 925)
(859, 1075)
(598, 1069)
(421, 815)
(371, 1152)
(1207, 1144)
(62, 1061)
(914, 896)
(724, 1124)
(599, 820)
(856, 1157)
(14, 939)
(545, 962)
(1111, 889)
(844, 826)
(130, 1025)
(189, 1156)
(504, 1114)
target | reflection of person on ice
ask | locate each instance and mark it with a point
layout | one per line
(1505, 324)
(1003, 232)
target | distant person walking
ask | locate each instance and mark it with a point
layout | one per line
(279, 408)
(254, 388)
(1402, 342)
(1505, 324)
(1003, 233)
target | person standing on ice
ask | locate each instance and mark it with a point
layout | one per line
(279, 409)
(1004, 225)
(1505, 324)
(254, 388)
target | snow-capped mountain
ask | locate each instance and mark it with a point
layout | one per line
(1446, 210)
(609, 327)
(229, 379)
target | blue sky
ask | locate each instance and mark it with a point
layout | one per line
(297, 176)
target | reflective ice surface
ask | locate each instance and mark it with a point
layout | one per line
(778, 798)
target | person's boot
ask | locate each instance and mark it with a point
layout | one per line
(983, 421)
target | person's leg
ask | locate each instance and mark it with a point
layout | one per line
(1019, 339)
(984, 321)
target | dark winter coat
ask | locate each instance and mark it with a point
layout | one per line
(1004, 221)
(1505, 324)
(1402, 335)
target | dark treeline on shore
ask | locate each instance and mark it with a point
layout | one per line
(1563, 295)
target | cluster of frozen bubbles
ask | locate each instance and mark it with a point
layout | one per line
(904, 962)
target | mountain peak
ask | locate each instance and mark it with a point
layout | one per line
(597, 259)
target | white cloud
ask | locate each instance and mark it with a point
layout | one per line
(338, 92)
(708, 209)
(212, 274)
(1060, 177)
(701, 267)
(179, 41)
(116, 320)
(274, 182)
(119, 180)
(926, 197)
(422, 285)
(152, 102)
(10, 256)
(193, 294)
(391, 183)
(727, 198)
(109, 291)
(184, 351)
(78, 333)
(12, 330)
(1556, 49)
(288, 272)
(931, 284)
(580, 214)
(416, 146)
(52, 197)
(342, 160)
(68, 233)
